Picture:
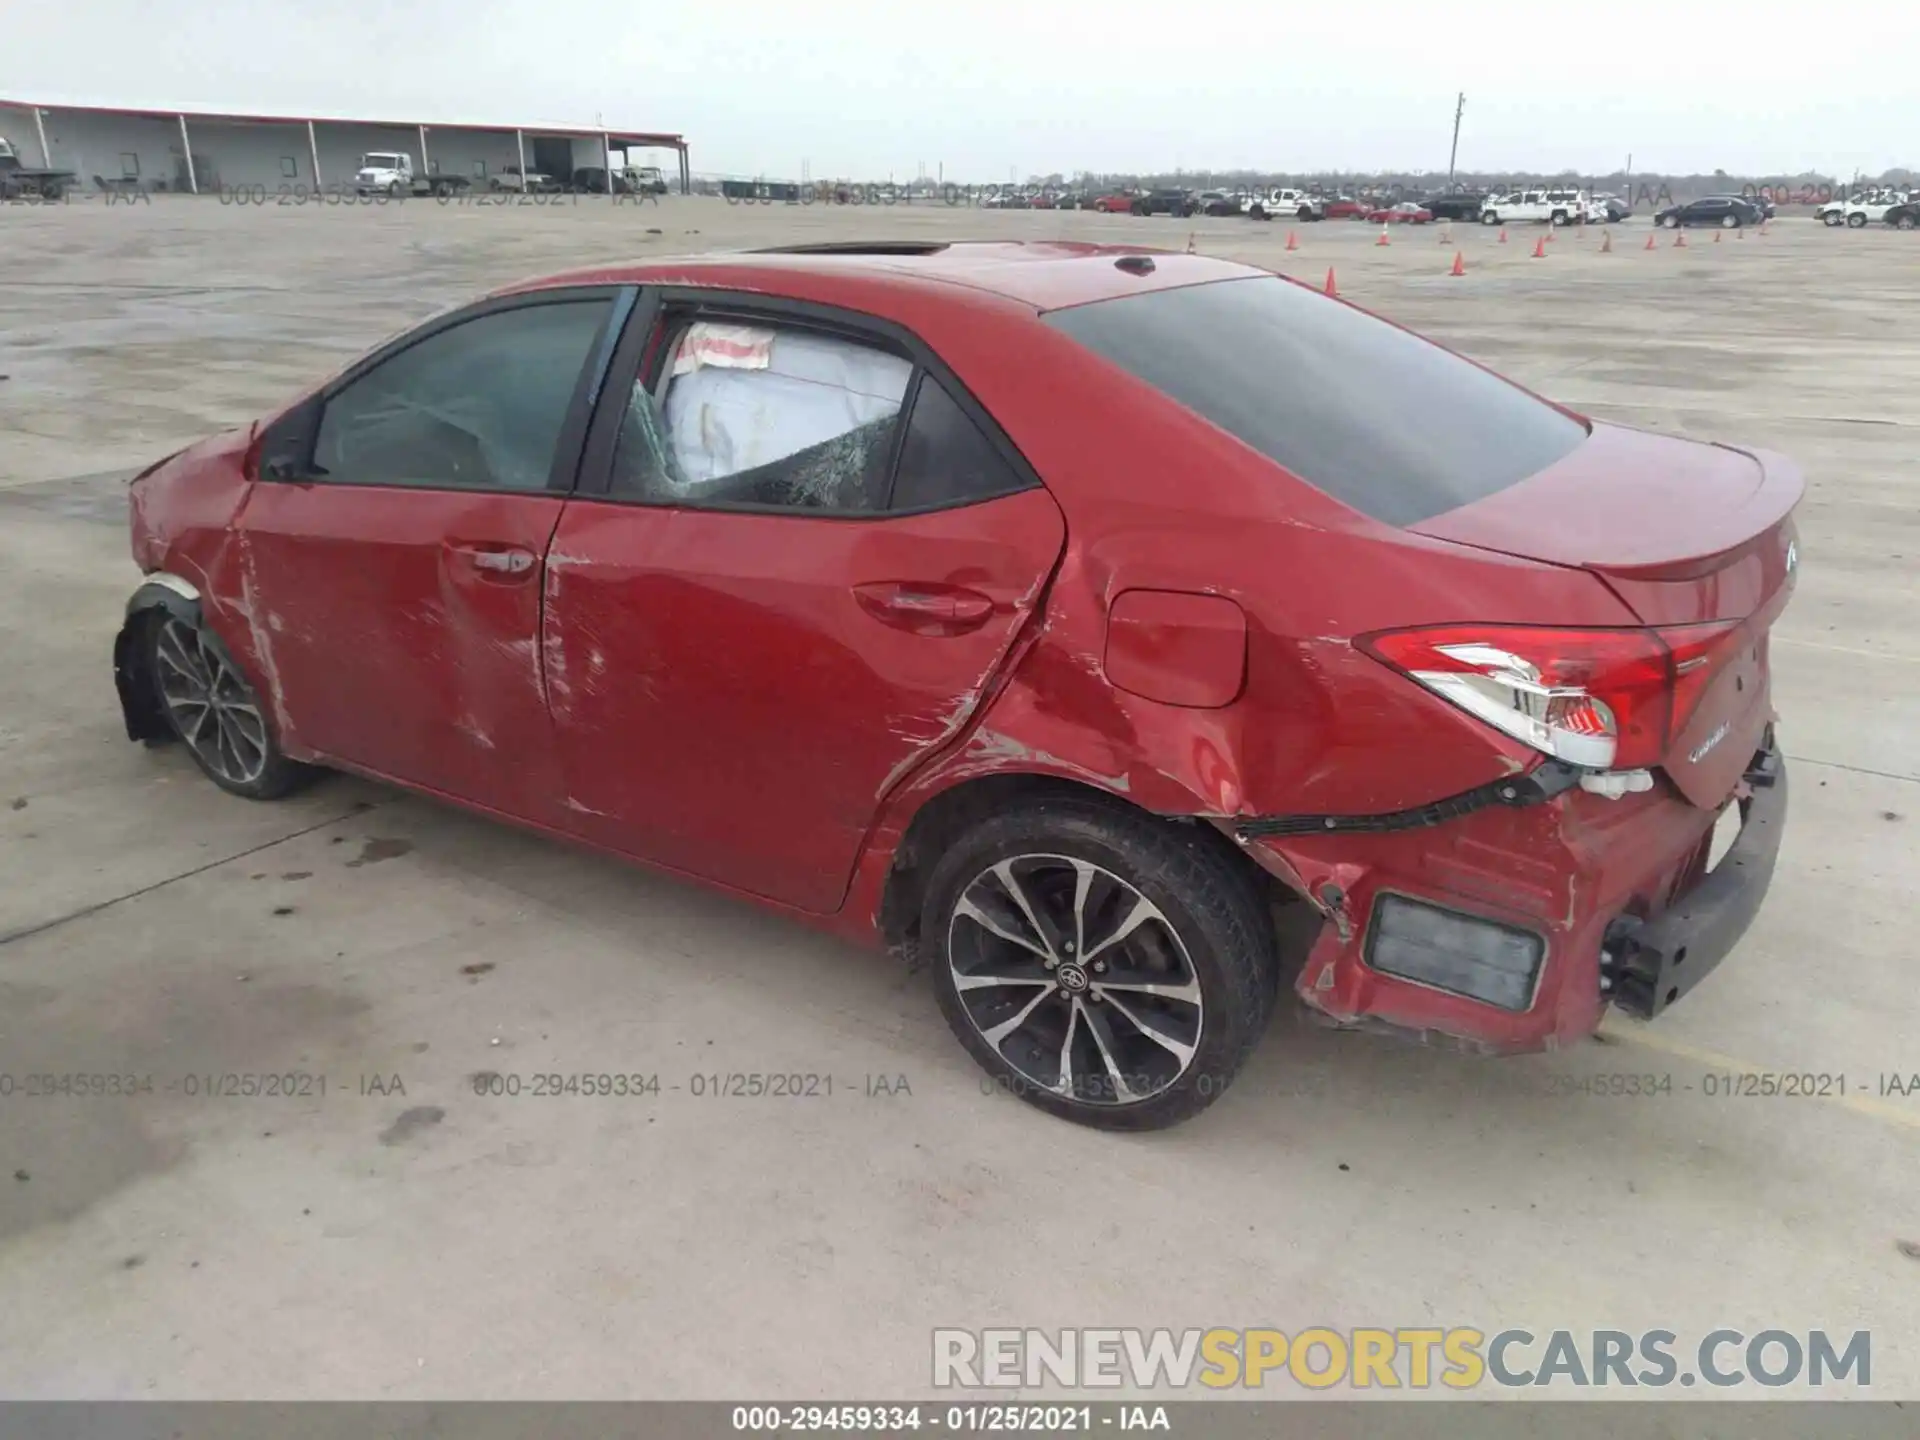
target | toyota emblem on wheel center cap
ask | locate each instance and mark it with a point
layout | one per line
(1072, 978)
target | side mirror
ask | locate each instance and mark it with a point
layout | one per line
(286, 449)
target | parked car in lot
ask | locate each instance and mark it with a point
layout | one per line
(1165, 202)
(1407, 212)
(1345, 207)
(1609, 210)
(1861, 213)
(1455, 205)
(531, 182)
(1117, 203)
(1295, 204)
(1553, 206)
(1839, 211)
(1902, 216)
(594, 180)
(1726, 211)
(862, 593)
(1217, 203)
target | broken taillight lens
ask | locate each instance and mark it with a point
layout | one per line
(1602, 699)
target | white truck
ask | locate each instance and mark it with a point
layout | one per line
(1870, 208)
(1553, 206)
(1288, 201)
(390, 172)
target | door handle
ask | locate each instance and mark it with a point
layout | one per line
(510, 562)
(924, 609)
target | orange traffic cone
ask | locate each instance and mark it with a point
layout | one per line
(1459, 264)
(1679, 239)
(1649, 240)
(1331, 289)
(1503, 234)
(1606, 242)
(1540, 248)
(1383, 234)
(1293, 242)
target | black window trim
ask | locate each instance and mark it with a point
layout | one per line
(642, 351)
(302, 424)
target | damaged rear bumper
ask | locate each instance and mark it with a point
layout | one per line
(1525, 915)
(1648, 965)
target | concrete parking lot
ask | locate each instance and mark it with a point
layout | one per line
(402, 1236)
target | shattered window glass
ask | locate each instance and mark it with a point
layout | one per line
(764, 416)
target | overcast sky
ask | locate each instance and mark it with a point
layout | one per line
(993, 88)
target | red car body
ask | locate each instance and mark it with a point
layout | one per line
(767, 702)
(1112, 204)
(1347, 210)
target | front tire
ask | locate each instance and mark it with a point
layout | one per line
(212, 706)
(1856, 221)
(1672, 222)
(1832, 219)
(1105, 967)
(1490, 217)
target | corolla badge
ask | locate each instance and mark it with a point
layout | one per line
(1712, 740)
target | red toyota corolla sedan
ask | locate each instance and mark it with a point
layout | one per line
(1064, 617)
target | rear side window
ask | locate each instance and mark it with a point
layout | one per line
(1383, 421)
(945, 459)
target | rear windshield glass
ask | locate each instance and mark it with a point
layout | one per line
(1383, 421)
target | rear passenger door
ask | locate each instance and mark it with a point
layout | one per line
(809, 552)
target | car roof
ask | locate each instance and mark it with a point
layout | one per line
(1042, 275)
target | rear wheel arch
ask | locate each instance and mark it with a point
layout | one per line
(950, 813)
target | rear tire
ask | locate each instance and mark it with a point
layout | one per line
(1905, 222)
(1079, 904)
(217, 714)
(1856, 221)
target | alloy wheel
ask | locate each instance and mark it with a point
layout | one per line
(210, 703)
(1075, 979)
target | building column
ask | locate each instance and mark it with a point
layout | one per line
(40, 129)
(313, 151)
(606, 159)
(186, 148)
(520, 148)
(426, 165)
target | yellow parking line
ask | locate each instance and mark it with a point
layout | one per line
(1649, 1039)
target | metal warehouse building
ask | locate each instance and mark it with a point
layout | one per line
(203, 152)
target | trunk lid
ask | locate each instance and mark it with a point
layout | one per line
(1686, 534)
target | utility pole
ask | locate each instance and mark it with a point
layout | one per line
(1459, 109)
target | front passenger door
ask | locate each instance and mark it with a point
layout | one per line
(394, 547)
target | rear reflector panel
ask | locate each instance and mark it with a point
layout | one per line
(1450, 951)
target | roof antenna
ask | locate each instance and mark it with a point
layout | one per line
(1135, 264)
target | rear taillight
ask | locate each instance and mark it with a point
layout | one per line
(1603, 699)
